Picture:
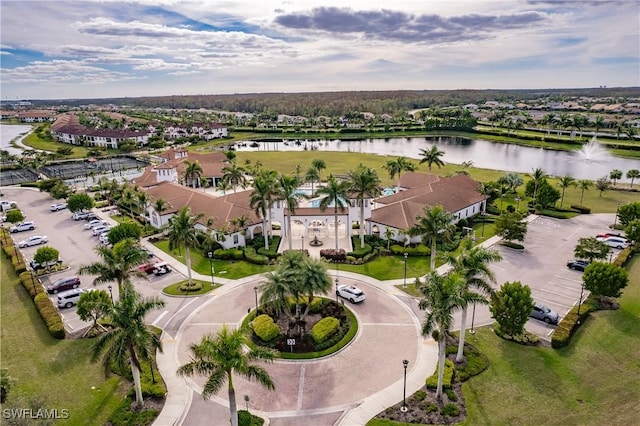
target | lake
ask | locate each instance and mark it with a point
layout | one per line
(9, 132)
(592, 162)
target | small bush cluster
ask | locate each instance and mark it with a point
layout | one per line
(432, 381)
(245, 418)
(451, 410)
(17, 260)
(195, 286)
(324, 329)
(265, 328)
(334, 255)
(49, 315)
(360, 252)
(569, 324)
(31, 284)
(623, 257)
(418, 250)
(581, 209)
(252, 257)
(228, 254)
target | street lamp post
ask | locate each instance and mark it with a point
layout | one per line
(405, 269)
(405, 363)
(302, 239)
(246, 400)
(336, 289)
(210, 256)
(482, 216)
(110, 292)
(33, 282)
(615, 219)
(580, 301)
(473, 317)
(255, 290)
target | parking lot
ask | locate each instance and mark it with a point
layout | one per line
(77, 247)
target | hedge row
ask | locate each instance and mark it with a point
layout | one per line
(623, 257)
(581, 209)
(360, 252)
(324, 329)
(334, 255)
(265, 328)
(432, 381)
(228, 254)
(569, 324)
(31, 284)
(17, 260)
(49, 315)
(252, 257)
(419, 250)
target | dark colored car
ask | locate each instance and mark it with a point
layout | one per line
(578, 265)
(147, 267)
(63, 284)
(544, 313)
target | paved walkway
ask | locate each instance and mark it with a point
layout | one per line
(348, 402)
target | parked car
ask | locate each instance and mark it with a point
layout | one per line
(80, 215)
(95, 223)
(352, 293)
(37, 266)
(57, 206)
(104, 237)
(544, 313)
(91, 216)
(161, 268)
(7, 205)
(68, 298)
(578, 265)
(615, 242)
(100, 229)
(609, 234)
(33, 241)
(147, 267)
(24, 226)
(63, 284)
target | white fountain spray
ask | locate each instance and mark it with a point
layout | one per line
(593, 151)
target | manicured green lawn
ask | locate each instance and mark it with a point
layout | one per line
(388, 267)
(594, 381)
(57, 372)
(222, 268)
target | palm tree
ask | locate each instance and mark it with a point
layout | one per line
(223, 185)
(143, 203)
(432, 156)
(565, 182)
(442, 296)
(538, 176)
(615, 175)
(319, 165)
(275, 290)
(401, 164)
(192, 173)
(312, 176)
(221, 355)
(584, 185)
(118, 264)
(287, 186)
(336, 193)
(389, 233)
(261, 197)
(234, 174)
(182, 232)
(435, 224)
(472, 265)
(365, 183)
(633, 174)
(314, 280)
(130, 339)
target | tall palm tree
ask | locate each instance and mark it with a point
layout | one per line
(118, 263)
(443, 295)
(365, 183)
(538, 176)
(315, 280)
(222, 355)
(319, 165)
(234, 174)
(565, 182)
(472, 265)
(312, 176)
(287, 186)
(130, 339)
(143, 203)
(436, 224)
(275, 290)
(633, 174)
(432, 156)
(182, 232)
(192, 173)
(584, 185)
(261, 197)
(336, 193)
(615, 175)
(397, 166)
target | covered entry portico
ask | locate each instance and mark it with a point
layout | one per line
(308, 224)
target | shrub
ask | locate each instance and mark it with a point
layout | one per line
(228, 254)
(324, 329)
(31, 284)
(420, 395)
(252, 257)
(334, 255)
(432, 381)
(476, 364)
(49, 315)
(418, 250)
(271, 253)
(360, 252)
(450, 410)
(569, 324)
(265, 328)
(245, 418)
(451, 393)
(512, 245)
(431, 407)
(581, 209)
(623, 257)
(195, 286)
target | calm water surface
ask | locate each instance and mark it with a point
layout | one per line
(483, 153)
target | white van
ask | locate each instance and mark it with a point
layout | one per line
(68, 298)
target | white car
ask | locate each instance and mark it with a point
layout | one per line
(80, 215)
(352, 293)
(615, 242)
(33, 241)
(95, 223)
(104, 238)
(7, 205)
(57, 206)
(100, 229)
(24, 226)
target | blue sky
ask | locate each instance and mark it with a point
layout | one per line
(93, 49)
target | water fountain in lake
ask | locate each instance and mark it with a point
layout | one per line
(593, 151)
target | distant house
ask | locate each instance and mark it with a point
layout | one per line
(67, 129)
(36, 116)
(206, 131)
